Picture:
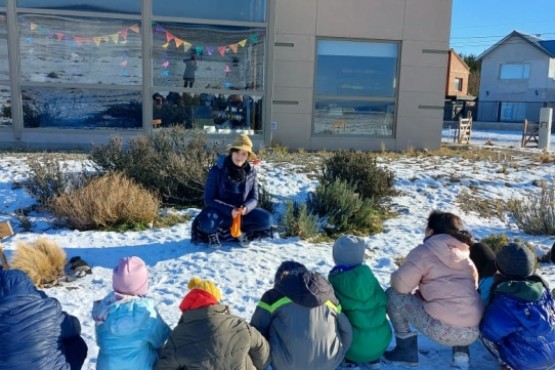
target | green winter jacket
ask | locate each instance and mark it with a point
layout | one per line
(364, 302)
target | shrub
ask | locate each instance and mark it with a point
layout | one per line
(360, 169)
(47, 180)
(110, 201)
(265, 199)
(43, 261)
(535, 214)
(496, 241)
(342, 210)
(299, 222)
(168, 162)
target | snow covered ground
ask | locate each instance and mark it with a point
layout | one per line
(424, 184)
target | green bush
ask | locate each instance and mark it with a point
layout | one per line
(265, 199)
(362, 170)
(297, 221)
(535, 214)
(342, 210)
(496, 241)
(170, 162)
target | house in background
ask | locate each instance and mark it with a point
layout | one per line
(517, 79)
(458, 74)
(457, 100)
(314, 74)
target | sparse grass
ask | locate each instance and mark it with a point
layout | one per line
(535, 214)
(471, 201)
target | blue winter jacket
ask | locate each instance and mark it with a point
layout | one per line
(131, 335)
(218, 193)
(32, 326)
(520, 320)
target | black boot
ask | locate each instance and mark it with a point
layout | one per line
(405, 352)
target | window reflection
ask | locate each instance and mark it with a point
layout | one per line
(119, 6)
(58, 49)
(354, 117)
(355, 88)
(4, 67)
(208, 56)
(233, 10)
(80, 108)
(5, 106)
(209, 112)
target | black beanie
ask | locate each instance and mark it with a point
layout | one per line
(484, 259)
(515, 260)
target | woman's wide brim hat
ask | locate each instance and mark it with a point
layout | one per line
(242, 142)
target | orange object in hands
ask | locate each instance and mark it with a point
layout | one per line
(236, 226)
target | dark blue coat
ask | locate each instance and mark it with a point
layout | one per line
(217, 192)
(32, 326)
(520, 320)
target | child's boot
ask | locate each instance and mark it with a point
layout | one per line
(461, 357)
(405, 352)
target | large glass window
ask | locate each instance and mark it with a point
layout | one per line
(5, 106)
(209, 112)
(58, 49)
(514, 71)
(356, 84)
(119, 6)
(4, 66)
(208, 56)
(205, 74)
(81, 108)
(233, 10)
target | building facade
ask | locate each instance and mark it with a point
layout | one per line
(316, 74)
(517, 79)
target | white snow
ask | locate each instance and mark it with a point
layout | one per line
(243, 275)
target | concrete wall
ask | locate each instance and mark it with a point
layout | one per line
(423, 29)
(534, 91)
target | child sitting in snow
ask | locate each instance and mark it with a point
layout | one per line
(209, 337)
(518, 326)
(363, 301)
(302, 320)
(129, 329)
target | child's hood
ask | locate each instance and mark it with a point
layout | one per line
(125, 315)
(530, 291)
(309, 289)
(452, 252)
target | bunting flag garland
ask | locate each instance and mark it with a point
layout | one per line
(199, 50)
(119, 37)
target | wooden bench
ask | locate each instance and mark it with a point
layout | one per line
(463, 131)
(530, 132)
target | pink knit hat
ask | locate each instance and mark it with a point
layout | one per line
(130, 276)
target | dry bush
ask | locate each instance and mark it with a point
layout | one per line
(110, 201)
(171, 162)
(46, 180)
(535, 214)
(486, 208)
(43, 261)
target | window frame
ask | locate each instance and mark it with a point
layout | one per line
(388, 100)
(508, 71)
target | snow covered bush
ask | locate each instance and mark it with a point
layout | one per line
(297, 221)
(535, 214)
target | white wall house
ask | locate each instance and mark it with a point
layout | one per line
(517, 78)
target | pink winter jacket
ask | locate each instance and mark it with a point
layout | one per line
(447, 280)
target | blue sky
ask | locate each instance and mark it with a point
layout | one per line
(478, 24)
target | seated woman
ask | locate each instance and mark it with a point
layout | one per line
(231, 190)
